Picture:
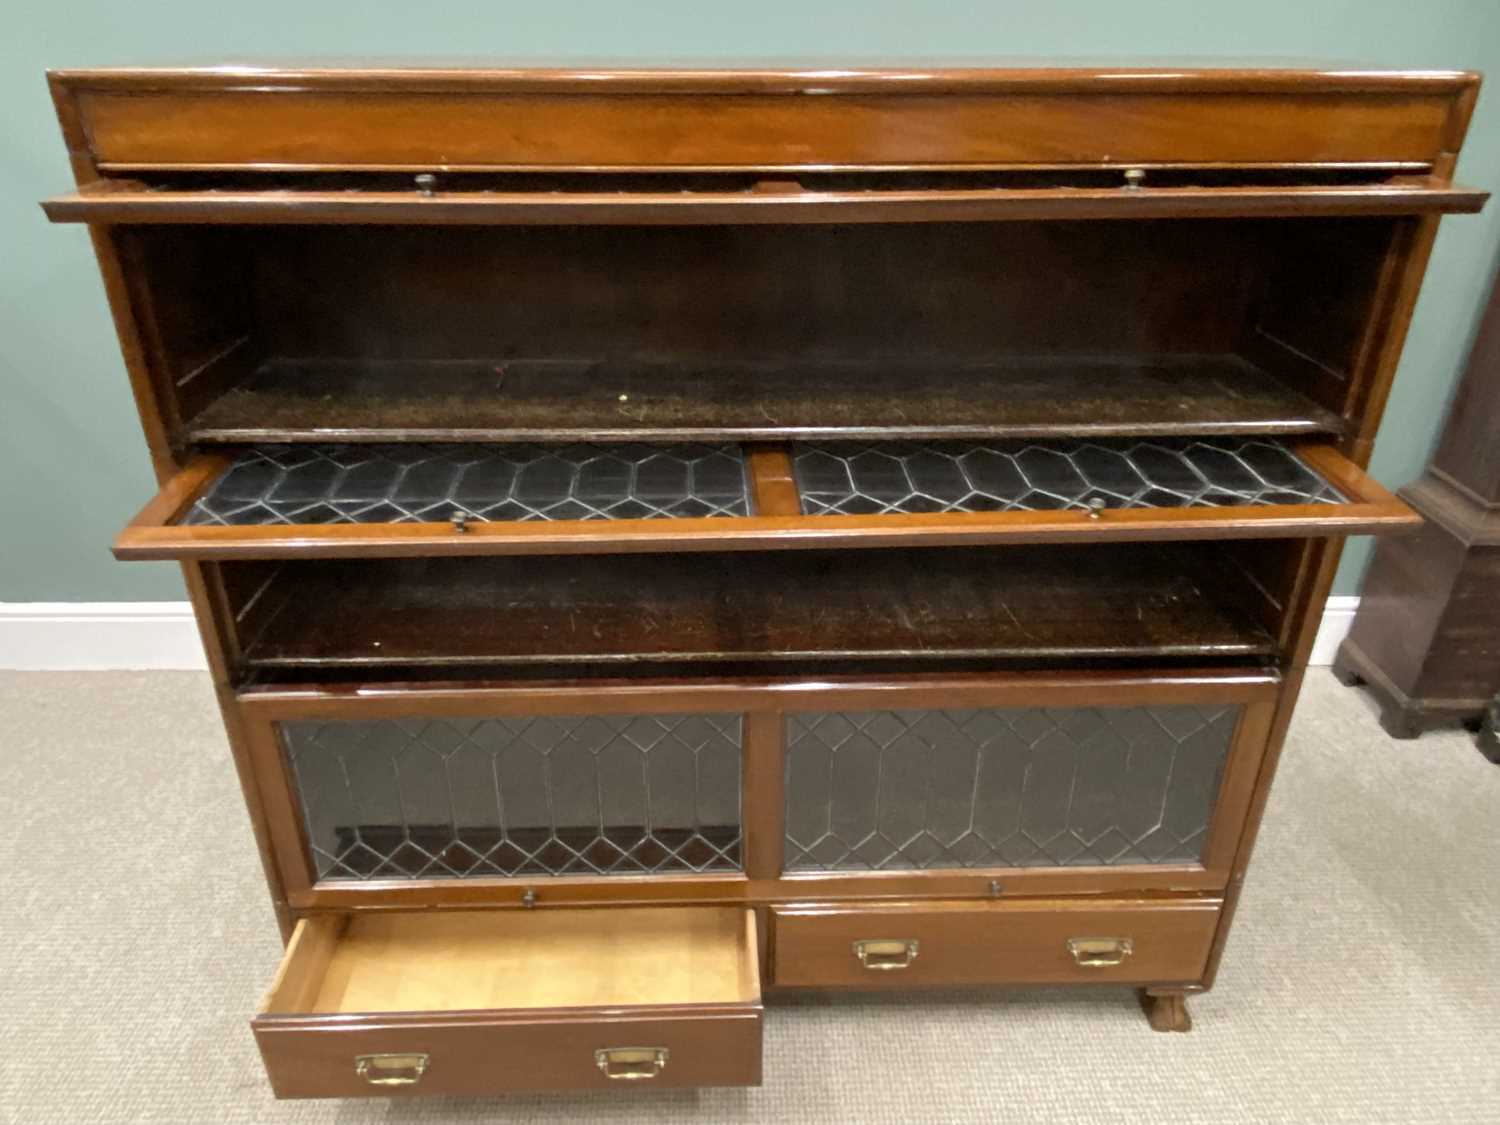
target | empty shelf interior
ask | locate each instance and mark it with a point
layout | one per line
(915, 606)
(902, 331)
(519, 400)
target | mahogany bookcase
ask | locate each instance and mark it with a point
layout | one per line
(664, 538)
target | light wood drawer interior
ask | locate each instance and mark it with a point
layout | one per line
(479, 1002)
(1023, 942)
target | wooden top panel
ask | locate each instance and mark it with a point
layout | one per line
(795, 119)
(822, 76)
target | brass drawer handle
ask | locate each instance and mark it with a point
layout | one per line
(884, 955)
(391, 1070)
(1100, 952)
(631, 1063)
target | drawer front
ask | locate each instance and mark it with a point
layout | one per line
(1035, 942)
(473, 1054)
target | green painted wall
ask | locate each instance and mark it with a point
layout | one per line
(72, 466)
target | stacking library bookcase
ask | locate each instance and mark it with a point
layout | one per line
(666, 537)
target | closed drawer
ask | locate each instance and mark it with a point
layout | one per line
(1038, 941)
(484, 1002)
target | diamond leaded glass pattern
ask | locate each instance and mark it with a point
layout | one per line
(533, 796)
(881, 790)
(322, 484)
(854, 479)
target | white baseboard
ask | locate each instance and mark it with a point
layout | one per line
(93, 636)
(1338, 615)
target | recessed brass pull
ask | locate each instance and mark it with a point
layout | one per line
(1100, 952)
(885, 954)
(391, 1070)
(631, 1064)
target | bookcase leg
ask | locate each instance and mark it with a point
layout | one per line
(1166, 1011)
(1487, 737)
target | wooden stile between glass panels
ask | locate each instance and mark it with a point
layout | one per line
(681, 536)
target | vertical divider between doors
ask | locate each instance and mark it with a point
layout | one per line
(772, 483)
(763, 800)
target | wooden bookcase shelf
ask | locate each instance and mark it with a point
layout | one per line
(923, 608)
(862, 539)
(540, 400)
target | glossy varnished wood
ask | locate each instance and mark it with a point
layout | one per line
(376, 699)
(1020, 942)
(1316, 196)
(654, 119)
(1399, 197)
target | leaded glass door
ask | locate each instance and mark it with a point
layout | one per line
(770, 790)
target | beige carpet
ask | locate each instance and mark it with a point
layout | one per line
(1362, 983)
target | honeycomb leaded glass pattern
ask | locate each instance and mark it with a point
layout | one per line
(874, 479)
(882, 790)
(534, 796)
(322, 484)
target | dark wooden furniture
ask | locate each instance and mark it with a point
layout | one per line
(714, 533)
(1426, 638)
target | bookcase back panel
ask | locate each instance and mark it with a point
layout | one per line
(950, 290)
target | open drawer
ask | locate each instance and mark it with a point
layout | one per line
(309, 501)
(484, 1002)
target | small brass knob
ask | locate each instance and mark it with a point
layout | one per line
(1096, 508)
(528, 900)
(426, 183)
(460, 521)
(1134, 178)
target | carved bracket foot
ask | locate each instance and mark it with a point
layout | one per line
(1487, 738)
(1167, 1011)
(1346, 675)
(1400, 717)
